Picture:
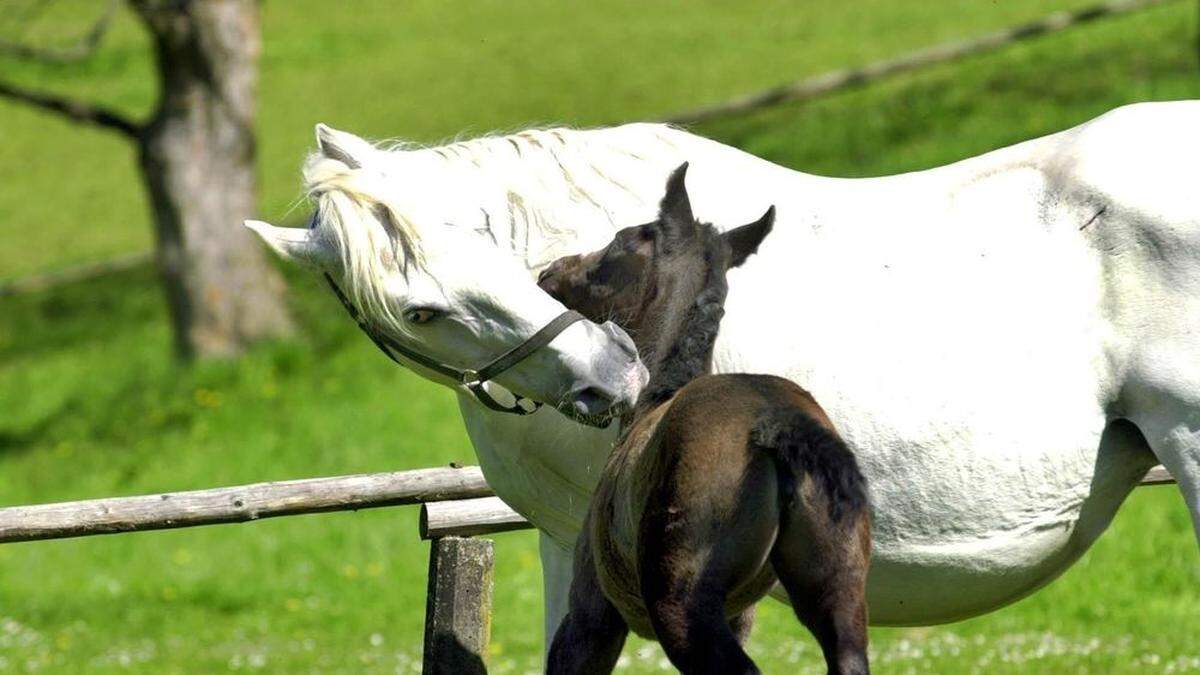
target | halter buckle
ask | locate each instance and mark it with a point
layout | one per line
(470, 377)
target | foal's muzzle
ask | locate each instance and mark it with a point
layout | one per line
(558, 276)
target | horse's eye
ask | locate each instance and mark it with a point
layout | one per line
(420, 315)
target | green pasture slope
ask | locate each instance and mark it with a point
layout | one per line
(90, 404)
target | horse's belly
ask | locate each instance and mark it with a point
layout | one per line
(923, 585)
(1018, 534)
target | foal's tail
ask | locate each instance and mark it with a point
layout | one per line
(801, 445)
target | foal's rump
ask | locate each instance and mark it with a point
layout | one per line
(813, 464)
(720, 426)
(745, 472)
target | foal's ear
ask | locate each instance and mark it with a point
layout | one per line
(743, 241)
(343, 146)
(675, 212)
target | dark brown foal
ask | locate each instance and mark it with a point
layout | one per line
(720, 485)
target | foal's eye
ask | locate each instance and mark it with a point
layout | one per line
(420, 315)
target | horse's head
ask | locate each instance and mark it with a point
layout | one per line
(653, 272)
(421, 277)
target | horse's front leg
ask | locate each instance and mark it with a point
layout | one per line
(558, 562)
(1172, 429)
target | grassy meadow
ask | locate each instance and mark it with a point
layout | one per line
(92, 405)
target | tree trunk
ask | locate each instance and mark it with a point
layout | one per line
(197, 156)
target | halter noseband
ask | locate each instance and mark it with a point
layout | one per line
(473, 380)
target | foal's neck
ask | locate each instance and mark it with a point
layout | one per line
(680, 343)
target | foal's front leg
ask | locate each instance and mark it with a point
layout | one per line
(590, 637)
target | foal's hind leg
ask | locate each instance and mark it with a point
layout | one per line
(690, 624)
(825, 579)
(691, 558)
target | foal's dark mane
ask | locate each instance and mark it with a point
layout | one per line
(683, 352)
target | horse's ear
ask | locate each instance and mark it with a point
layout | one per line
(744, 241)
(675, 212)
(295, 244)
(342, 146)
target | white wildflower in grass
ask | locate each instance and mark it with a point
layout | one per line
(1182, 664)
(407, 662)
(15, 634)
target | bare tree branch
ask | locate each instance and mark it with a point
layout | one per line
(82, 49)
(79, 111)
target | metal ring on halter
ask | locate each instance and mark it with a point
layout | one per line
(472, 379)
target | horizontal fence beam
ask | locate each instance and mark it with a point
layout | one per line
(838, 80)
(469, 518)
(456, 501)
(239, 504)
(70, 275)
(1158, 476)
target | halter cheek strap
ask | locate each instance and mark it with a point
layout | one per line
(472, 379)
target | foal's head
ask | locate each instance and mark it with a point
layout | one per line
(663, 282)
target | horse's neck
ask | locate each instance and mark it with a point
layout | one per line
(683, 351)
(614, 178)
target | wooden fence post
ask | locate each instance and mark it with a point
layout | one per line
(458, 607)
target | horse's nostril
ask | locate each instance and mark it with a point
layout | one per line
(592, 401)
(545, 274)
(621, 338)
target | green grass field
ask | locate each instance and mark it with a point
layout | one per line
(91, 404)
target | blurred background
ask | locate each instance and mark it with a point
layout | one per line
(117, 378)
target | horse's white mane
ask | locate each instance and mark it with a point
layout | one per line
(527, 185)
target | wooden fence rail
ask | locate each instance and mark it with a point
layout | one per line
(469, 518)
(239, 504)
(1158, 476)
(837, 80)
(77, 273)
(456, 501)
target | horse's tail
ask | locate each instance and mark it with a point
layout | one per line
(800, 445)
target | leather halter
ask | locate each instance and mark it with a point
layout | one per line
(472, 379)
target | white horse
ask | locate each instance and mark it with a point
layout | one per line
(1007, 342)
